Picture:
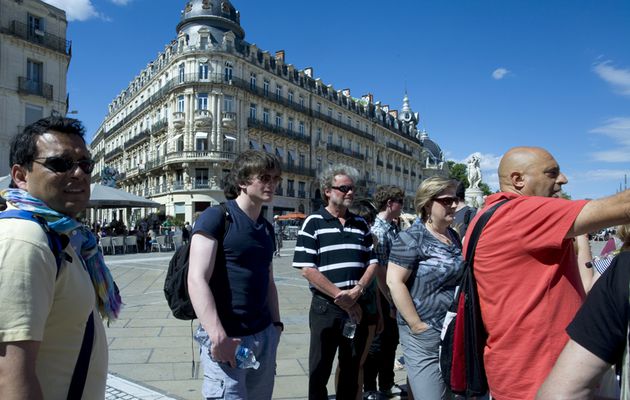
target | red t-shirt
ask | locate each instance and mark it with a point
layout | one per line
(529, 289)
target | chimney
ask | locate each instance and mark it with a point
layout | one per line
(280, 55)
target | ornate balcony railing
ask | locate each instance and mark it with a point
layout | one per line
(42, 38)
(254, 123)
(345, 151)
(403, 150)
(38, 88)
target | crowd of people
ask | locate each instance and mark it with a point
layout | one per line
(373, 284)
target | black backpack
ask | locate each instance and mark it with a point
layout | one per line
(176, 282)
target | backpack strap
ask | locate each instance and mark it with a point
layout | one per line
(55, 240)
(474, 236)
(79, 375)
(227, 219)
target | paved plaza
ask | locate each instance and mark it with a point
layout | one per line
(151, 352)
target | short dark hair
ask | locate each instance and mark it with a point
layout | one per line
(245, 166)
(24, 144)
(384, 193)
(460, 192)
(365, 210)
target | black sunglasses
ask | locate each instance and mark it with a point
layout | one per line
(343, 188)
(446, 201)
(62, 165)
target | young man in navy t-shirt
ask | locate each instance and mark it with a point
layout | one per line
(240, 306)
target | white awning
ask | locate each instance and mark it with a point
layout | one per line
(176, 137)
(267, 148)
(228, 137)
(280, 152)
(253, 144)
(201, 135)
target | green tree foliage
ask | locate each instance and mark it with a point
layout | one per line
(459, 172)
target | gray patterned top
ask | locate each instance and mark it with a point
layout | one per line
(436, 268)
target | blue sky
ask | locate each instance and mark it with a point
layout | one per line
(484, 75)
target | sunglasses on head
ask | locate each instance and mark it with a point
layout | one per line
(447, 201)
(343, 188)
(62, 165)
(269, 178)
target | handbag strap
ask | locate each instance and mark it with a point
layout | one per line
(474, 236)
(79, 376)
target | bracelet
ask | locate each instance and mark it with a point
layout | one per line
(279, 324)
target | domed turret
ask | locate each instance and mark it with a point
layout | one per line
(214, 16)
(406, 114)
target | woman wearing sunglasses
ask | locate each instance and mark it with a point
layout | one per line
(424, 266)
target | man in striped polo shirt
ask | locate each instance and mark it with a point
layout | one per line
(334, 251)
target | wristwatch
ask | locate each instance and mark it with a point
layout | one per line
(362, 288)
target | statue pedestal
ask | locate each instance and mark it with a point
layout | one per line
(474, 197)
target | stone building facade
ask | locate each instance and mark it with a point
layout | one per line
(172, 133)
(34, 60)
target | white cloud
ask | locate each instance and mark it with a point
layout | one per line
(618, 78)
(76, 10)
(82, 10)
(618, 130)
(500, 73)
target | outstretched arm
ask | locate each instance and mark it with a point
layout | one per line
(602, 213)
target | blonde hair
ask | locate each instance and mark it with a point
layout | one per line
(623, 233)
(428, 190)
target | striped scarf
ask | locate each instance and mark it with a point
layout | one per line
(109, 300)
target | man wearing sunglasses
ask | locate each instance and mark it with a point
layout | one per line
(529, 282)
(334, 252)
(52, 340)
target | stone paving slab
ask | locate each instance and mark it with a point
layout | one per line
(148, 347)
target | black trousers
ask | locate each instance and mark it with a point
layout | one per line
(326, 322)
(382, 354)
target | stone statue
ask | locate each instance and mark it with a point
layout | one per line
(474, 172)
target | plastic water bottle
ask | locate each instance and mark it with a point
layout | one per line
(349, 328)
(245, 358)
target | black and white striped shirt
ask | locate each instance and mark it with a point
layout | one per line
(340, 252)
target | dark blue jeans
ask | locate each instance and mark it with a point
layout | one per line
(382, 354)
(326, 321)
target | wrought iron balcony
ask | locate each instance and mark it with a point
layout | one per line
(347, 152)
(139, 138)
(38, 88)
(254, 123)
(159, 125)
(396, 147)
(42, 38)
(291, 168)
